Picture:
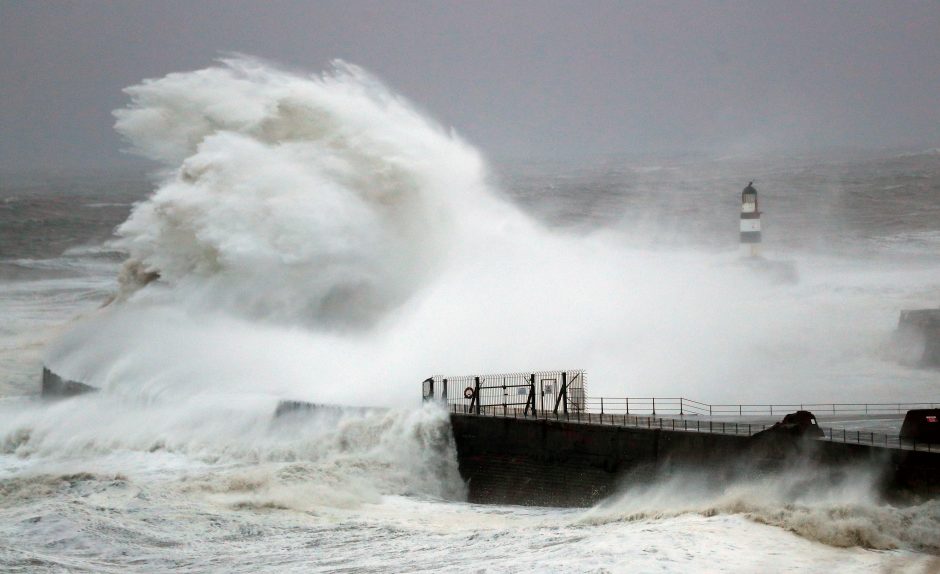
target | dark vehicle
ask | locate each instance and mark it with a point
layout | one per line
(798, 424)
(922, 425)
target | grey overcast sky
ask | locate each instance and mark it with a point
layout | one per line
(519, 79)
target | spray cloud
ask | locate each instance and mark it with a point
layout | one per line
(315, 237)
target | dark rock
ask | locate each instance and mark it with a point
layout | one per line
(55, 386)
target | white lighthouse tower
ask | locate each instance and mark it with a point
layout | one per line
(750, 222)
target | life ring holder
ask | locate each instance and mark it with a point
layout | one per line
(468, 393)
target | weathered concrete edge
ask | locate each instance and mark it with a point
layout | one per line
(558, 463)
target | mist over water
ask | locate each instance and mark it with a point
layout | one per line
(315, 237)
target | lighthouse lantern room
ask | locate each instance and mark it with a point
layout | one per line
(750, 222)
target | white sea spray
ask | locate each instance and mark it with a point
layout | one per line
(317, 237)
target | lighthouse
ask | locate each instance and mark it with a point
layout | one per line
(750, 222)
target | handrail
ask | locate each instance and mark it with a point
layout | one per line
(683, 406)
(566, 390)
(698, 425)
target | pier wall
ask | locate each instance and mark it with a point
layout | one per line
(558, 463)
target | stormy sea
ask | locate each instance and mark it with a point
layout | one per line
(318, 238)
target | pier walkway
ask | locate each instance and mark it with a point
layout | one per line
(561, 396)
(536, 438)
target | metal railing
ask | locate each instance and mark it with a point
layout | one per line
(694, 424)
(682, 406)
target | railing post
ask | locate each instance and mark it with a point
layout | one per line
(563, 394)
(444, 390)
(564, 386)
(476, 392)
(654, 406)
(602, 408)
(627, 401)
(532, 393)
(681, 413)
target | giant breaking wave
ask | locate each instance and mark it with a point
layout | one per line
(313, 199)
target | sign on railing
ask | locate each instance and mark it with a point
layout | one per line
(530, 393)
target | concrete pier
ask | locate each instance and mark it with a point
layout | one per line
(548, 462)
